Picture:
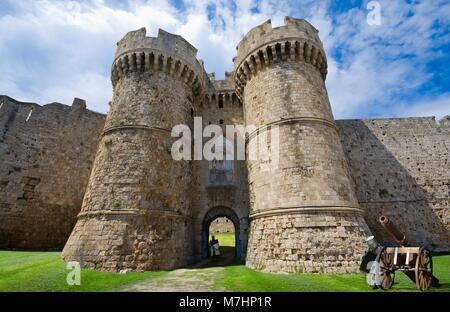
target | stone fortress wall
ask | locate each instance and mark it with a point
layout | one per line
(401, 168)
(383, 157)
(222, 225)
(46, 155)
(143, 211)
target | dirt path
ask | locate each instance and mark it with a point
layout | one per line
(200, 277)
(186, 280)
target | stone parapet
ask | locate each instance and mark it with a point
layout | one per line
(167, 53)
(296, 41)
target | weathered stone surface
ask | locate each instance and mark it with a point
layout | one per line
(401, 169)
(311, 174)
(137, 192)
(321, 242)
(46, 156)
(222, 225)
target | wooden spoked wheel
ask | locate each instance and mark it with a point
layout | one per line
(424, 269)
(387, 273)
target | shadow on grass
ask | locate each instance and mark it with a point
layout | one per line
(443, 287)
(227, 258)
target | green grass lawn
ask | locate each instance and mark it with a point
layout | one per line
(238, 277)
(227, 250)
(225, 239)
(226, 243)
(45, 271)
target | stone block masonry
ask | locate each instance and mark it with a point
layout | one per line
(222, 225)
(46, 157)
(136, 213)
(401, 168)
(314, 242)
(210, 199)
(304, 216)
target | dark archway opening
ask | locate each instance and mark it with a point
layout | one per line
(213, 214)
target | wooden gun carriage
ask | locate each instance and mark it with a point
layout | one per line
(415, 262)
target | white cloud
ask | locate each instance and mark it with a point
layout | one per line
(381, 63)
(57, 50)
(432, 106)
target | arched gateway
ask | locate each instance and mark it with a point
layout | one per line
(213, 214)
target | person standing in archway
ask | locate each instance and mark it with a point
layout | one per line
(214, 247)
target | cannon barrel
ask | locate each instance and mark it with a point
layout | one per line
(398, 236)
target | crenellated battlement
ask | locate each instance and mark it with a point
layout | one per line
(226, 84)
(262, 46)
(262, 34)
(221, 91)
(167, 52)
(225, 97)
(164, 42)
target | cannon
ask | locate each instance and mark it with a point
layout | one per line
(381, 262)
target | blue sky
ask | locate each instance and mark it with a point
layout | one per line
(53, 51)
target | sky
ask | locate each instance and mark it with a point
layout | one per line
(387, 58)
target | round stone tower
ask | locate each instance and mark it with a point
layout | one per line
(304, 213)
(135, 214)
